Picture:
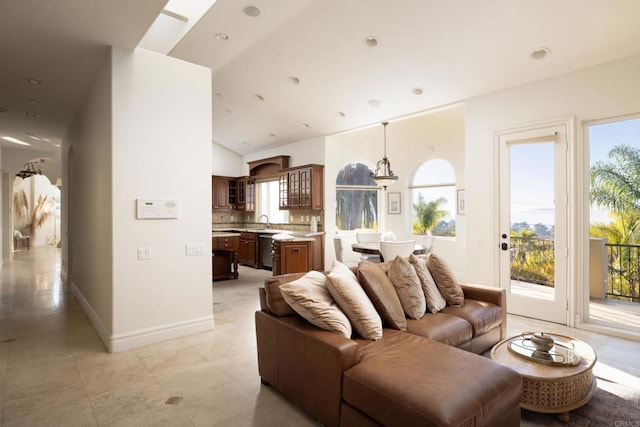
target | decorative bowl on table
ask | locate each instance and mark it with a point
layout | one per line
(542, 342)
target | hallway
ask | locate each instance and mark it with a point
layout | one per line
(54, 370)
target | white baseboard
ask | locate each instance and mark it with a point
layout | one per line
(142, 337)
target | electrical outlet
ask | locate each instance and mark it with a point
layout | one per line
(144, 253)
(194, 249)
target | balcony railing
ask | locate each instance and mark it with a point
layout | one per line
(623, 272)
(532, 261)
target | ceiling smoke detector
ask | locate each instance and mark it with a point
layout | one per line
(294, 80)
(222, 36)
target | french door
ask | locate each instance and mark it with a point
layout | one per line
(533, 201)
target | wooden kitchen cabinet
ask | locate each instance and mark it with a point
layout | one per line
(248, 249)
(292, 256)
(224, 192)
(246, 188)
(302, 187)
(224, 252)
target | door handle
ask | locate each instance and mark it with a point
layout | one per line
(504, 246)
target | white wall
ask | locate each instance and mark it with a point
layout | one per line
(143, 132)
(603, 91)
(410, 142)
(161, 150)
(225, 162)
(87, 221)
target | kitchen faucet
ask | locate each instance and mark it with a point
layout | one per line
(267, 217)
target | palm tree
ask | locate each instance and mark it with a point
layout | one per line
(615, 185)
(428, 214)
(356, 208)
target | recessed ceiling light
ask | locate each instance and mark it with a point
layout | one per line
(31, 114)
(222, 36)
(32, 81)
(3, 110)
(228, 110)
(540, 53)
(259, 97)
(273, 135)
(340, 114)
(417, 91)
(375, 103)
(32, 101)
(306, 125)
(248, 144)
(15, 140)
(294, 80)
(219, 95)
(252, 11)
(371, 41)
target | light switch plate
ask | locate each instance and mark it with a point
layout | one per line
(144, 253)
(194, 249)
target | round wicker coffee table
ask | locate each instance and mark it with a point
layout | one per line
(548, 387)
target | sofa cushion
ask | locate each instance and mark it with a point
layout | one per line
(352, 299)
(483, 316)
(446, 280)
(407, 284)
(418, 381)
(435, 300)
(442, 327)
(275, 303)
(311, 299)
(382, 294)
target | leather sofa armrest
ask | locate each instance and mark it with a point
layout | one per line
(496, 296)
(304, 363)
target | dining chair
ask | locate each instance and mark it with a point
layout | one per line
(388, 235)
(428, 242)
(368, 236)
(344, 254)
(389, 249)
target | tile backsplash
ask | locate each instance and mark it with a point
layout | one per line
(299, 220)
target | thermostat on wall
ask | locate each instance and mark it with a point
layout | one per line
(156, 209)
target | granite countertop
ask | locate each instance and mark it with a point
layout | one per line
(224, 234)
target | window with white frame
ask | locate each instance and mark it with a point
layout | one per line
(268, 202)
(357, 196)
(434, 199)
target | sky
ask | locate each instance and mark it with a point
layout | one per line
(532, 170)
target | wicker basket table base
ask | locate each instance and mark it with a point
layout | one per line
(552, 389)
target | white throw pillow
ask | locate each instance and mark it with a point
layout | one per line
(352, 299)
(310, 298)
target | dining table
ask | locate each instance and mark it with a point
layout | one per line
(373, 248)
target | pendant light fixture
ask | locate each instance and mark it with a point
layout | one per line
(384, 175)
(29, 169)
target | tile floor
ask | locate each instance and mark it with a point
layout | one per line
(55, 371)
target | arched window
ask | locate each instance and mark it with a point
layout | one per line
(356, 200)
(434, 198)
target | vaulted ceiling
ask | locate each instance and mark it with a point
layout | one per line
(305, 68)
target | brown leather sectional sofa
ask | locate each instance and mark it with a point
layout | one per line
(430, 375)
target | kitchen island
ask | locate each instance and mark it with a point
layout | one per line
(224, 255)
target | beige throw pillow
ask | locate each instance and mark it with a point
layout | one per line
(310, 298)
(408, 287)
(435, 300)
(382, 294)
(446, 280)
(351, 298)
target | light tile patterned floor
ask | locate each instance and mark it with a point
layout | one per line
(55, 371)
